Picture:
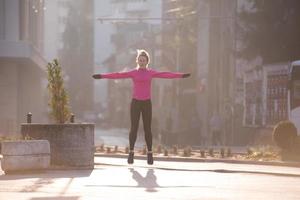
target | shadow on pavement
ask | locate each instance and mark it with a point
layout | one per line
(43, 179)
(56, 198)
(47, 174)
(148, 182)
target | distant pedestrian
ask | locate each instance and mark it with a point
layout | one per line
(141, 98)
(216, 125)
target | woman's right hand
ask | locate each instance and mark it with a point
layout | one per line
(97, 76)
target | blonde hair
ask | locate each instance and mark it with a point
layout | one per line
(142, 52)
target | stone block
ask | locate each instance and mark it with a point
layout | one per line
(25, 155)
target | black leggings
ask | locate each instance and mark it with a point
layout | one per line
(137, 107)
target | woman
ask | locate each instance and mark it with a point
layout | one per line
(141, 98)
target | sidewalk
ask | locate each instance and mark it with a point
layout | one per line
(113, 178)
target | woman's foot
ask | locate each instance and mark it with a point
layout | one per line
(150, 158)
(130, 157)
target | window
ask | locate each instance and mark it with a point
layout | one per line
(296, 88)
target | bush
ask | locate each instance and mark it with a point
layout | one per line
(59, 100)
(284, 133)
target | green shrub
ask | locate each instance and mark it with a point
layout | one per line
(59, 99)
(284, 134)
(263, 153)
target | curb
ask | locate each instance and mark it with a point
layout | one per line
(185, 159)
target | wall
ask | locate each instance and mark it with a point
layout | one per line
(22, 87)
(9, 96)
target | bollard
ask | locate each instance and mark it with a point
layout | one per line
(222, 152)
(211, 152)
(249, 151)
(29, 117)
(175, 149)
(108, 150)
(159, 149)
(229, 154)
(102, 148)
(72, 118)
(127, 150)
(166, 152)
(187, 151)
(202, 153)
(144, 151)
(116, 149)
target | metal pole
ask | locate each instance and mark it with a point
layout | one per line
(72, 118)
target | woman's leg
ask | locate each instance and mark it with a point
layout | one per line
(147, 117)
(134, 118)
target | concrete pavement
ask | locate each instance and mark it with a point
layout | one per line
(112, 178)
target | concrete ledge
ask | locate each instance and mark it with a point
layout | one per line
(25, 155)
(25, 162)
(25, 147)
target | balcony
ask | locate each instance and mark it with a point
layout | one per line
(21, 49)
(137, 7)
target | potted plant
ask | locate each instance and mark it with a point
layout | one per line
(71, 144)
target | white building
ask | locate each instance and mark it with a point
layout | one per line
(30, 36)
(22, 64)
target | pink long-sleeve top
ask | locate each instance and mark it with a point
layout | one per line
(142, 78)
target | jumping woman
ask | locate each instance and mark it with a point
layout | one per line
(141, 98)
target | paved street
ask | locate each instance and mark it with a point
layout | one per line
(116, 136)
(112, 178)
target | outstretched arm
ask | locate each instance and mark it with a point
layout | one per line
(114, 75)
(170, 75)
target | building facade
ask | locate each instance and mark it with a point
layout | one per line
(31, 35)
(266, 97)
(22, 68)
(205, 47)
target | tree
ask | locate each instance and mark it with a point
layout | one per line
(76, 54)
(270, 29)
(179, 51)
(59, 99)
